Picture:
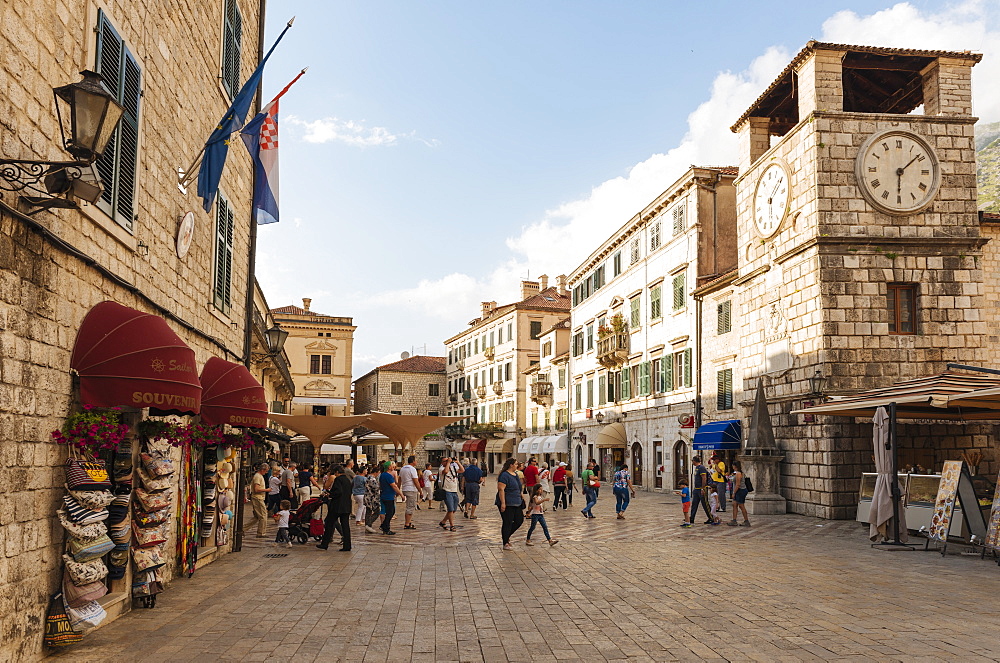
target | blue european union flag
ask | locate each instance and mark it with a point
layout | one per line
(217, 146)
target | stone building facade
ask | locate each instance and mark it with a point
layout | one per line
(55, 265)
(319, 348)
(485, 365)
(869, 275)
(634, 352)
(414, 385)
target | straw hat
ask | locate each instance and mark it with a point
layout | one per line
(223, 480)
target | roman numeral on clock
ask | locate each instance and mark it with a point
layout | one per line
(885, 195)
(922, 186)
(876, 184)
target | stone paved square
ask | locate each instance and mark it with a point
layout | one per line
(790, 588)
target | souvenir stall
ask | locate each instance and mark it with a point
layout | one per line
(119, 474)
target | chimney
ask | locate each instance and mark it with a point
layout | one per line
(543, 282)
(561, 284)
(488, 309)
(528, 289)
(305, 303)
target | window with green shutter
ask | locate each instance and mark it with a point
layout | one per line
(644, 379)
(634, 319)
(232, 45)
(602, 389)
(687, 367)
(668, 373)
(725, 318)
(680, 298)
(654, 303)
(223, 276)
(117, 165)
(578, 396)
(590, 393)
(724, 399)
(626, 389)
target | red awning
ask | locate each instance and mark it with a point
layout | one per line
(474, 445)
(230, 395)
(128, 358)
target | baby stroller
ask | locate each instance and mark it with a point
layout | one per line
(305, 522)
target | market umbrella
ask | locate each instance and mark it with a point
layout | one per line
(317, 427)
(880, 514)
(406, 430)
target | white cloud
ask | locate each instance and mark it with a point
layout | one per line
(350, 132)
(970, 25)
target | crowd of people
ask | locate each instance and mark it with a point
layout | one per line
(369, 494)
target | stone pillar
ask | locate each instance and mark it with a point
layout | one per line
(947, 87)
(754, 140)
(763, 470)
(820, 83)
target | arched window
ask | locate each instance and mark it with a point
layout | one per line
(578, 468)
(681, 469)
(637, 464)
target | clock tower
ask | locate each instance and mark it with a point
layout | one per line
(859, 246)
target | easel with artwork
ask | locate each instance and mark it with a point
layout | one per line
(992, 542)
(956, 485)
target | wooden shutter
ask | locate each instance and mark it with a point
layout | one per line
(224, 225)
(117, 165)
(724, 400)
(231, 48)
(678, 285)
(626, 383)
(724, 317)
(602, 389)
(687, 367)
(668, 373)
(644, 379)
(654, 303)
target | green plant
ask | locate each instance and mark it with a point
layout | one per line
(91, 430)
(891, 256)
(157, 429)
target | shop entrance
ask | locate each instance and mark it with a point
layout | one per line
(681, 469)
(658, 465)
(637, 464)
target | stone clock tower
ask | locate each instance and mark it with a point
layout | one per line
(859, 245)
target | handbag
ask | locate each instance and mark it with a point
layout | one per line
(152, 501)
(58, 629)
(78, 596)
(147, 558)
(87, 474)
(80, 515)
(147, 584)
(156, 464)
(86, 616)
(91, 531)
(152, 483)
(82, 573)
(593, 481)
(95, 500)
(151, 518)
(149, 536)
(84, 550)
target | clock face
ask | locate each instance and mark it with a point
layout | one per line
(770, 200)
(898, 172)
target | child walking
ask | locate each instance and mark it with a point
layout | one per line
(282, 518)
(538, 499)
(713, 504)
(685, 494)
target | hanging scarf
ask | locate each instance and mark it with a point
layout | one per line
(187, 537)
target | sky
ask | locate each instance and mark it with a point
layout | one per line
(436, 153)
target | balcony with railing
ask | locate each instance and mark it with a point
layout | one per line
(460, 365)
(541, 392)
(481, 392)
(613, 349)
(453, 398)
(490, 352)
(494, 428)
(455, 430)
(498, 388)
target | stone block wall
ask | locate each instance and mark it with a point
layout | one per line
(46, 288)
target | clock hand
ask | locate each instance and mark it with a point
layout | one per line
(899, 171)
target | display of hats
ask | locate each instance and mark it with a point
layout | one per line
(207, 518)
(224, 477)
(80, 514)
(118, 509)
(224, 499)
(208, 493)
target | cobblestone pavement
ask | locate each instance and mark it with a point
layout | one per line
(789, 588)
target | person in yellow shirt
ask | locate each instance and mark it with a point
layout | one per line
(718, 468)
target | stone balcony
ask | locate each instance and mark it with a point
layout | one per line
(498, 387)
(453, 398)
(613, 349)
(481, 392)
(541, 392)
(490, 352)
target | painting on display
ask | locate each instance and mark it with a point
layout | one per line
(993, 527)
(944, 505)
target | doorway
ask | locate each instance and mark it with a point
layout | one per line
(636, 464)
(658, 464)
(681, 470)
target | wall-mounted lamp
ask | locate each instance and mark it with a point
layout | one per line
(600, 417)
(816, 383)
(275, 337)
(92, 113)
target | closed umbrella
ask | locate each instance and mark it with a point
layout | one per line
(880, 515)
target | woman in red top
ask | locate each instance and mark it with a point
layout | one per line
(559, 486)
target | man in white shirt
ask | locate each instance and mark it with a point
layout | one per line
(411, 489)
(451, 470)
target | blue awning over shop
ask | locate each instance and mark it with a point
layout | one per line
(718, 435)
